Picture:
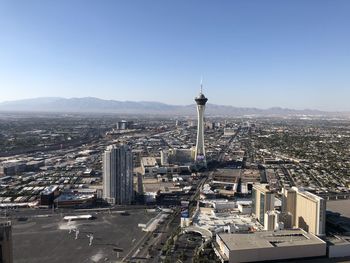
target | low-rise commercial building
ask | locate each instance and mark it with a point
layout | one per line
(149, 166)
(180, 156)
(268, 245)
(338, 246)
(75, 200)
(338, 221)
(12, 167)
(48, 195)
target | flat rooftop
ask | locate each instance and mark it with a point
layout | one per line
(73, 197)
(158, 186)
(309, 195)
(340, 206)
(338, 216)
(250, 175)
(227, 175)
(149, 161)
(266, 239)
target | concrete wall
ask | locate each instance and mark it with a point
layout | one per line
(222, 246)
(6, 242)
(340, 250)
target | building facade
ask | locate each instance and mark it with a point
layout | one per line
(124, 125)
(272, 220)
(262, 201)
(308, 210)
(118, 175)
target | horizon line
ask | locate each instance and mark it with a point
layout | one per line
(170, 104)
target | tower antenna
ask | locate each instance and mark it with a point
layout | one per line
(201, 85)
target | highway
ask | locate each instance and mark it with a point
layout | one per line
(221, 156)
(149, 247)
(152, 250)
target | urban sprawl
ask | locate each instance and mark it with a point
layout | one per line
(113, 188)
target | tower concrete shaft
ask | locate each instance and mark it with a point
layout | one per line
(201, 100)
(200, 151)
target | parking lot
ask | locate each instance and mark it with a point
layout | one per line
(52, 239)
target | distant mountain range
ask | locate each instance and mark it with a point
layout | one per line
(95, 105)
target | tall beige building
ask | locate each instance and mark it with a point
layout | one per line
(308, 210)
(272, 220)
(262, 201)
(6, 242)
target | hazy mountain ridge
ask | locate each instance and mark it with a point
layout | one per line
(91, 104)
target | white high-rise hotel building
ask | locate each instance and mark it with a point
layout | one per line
(201, 100)
(118, 175)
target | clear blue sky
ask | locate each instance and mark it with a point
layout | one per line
(258, 53)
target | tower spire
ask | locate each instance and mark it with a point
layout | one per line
(201, 91)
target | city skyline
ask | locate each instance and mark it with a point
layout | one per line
(174, 131)
(291, 55)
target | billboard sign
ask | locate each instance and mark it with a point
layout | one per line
(185, 209)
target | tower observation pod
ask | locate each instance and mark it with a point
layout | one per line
(201, 100)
